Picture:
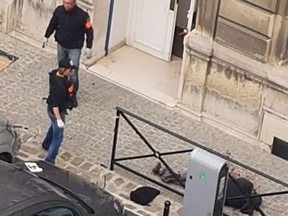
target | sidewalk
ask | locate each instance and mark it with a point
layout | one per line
(89, 128)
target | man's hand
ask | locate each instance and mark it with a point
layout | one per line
(184, 32)
(88, 53)
(44, 42)
(60, 123)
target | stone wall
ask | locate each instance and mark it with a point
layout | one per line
(233, 68)
(247, 26)
(28, 20)
(7, 20)
(223, 92)
(33, 17)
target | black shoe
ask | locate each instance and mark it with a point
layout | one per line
(44, 147)
(156, 169)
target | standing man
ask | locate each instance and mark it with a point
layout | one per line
(71, 23)
(61, 92)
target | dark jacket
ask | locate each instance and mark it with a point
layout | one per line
(60, 92)
(70, 27)
(245, 205)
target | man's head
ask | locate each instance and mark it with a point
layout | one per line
(66, 66)
(69, 4)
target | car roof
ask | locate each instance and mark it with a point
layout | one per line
(17, 185)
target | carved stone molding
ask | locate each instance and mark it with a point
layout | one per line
(7, 15)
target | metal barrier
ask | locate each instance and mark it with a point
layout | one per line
(120, 112)
(115, 161)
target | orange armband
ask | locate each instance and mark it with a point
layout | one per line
(71, 89)
(88, 24)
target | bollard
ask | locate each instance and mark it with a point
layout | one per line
(167, 205)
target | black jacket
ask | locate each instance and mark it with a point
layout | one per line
(70, 27)
(245, 205)
(60, 92)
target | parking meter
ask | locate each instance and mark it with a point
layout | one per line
(206, 185)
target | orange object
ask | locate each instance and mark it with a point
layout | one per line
(88, 24)
(71, 88)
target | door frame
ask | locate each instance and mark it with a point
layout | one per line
(132, 31)
(193, 6)
(185, 60)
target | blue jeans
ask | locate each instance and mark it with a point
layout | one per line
(53, 138)
(74, 55)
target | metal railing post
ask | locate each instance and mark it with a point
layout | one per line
(167, 205)
(115, 140)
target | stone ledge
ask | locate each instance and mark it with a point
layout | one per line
(112, 182)
(195, 42)
(274, 76)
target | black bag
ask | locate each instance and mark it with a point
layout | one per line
(144, 195)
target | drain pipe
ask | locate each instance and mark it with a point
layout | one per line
(110, 16)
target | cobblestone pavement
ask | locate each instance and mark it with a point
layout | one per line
(89, 129)
(112, 182)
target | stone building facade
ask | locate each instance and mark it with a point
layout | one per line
(234, 67)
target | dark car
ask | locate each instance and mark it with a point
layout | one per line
(42, 189)
(9, 141)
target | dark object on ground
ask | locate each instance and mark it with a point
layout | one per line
(245, 205)
(144, 195)
(44, 147)
(39, 188)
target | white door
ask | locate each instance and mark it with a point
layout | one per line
(151, 26)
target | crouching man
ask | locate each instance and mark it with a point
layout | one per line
(61, 93)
